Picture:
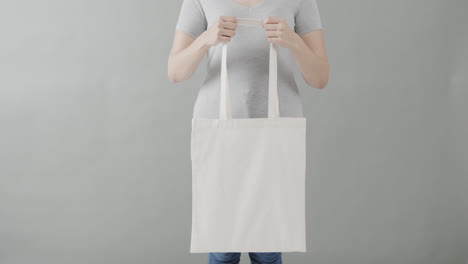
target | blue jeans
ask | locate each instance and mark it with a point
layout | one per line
(234, 257)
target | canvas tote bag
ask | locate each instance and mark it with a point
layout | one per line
(248, 176)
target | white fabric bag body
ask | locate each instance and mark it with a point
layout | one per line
(248, 176)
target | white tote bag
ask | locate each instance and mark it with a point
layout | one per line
(248, 176)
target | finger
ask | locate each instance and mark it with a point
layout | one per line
(229, 25)
(224, 39)
(270, 26)
(272, 20)
(274, 40)
(272, 33)
(229, 19)
(228, 32)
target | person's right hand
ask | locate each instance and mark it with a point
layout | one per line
(221, 31)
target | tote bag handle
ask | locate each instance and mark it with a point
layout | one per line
(225, 111)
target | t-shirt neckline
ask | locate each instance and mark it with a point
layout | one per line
(249, 7)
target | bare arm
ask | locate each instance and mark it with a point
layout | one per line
(185, 56)
(187, 53)
(308, 50)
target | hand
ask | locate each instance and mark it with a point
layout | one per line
(279, 32)
(221, 31)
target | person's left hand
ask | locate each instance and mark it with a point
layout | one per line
(279, 32)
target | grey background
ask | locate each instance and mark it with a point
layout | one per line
(94, 140)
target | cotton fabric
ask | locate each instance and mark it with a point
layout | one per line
(248, 176)
(255, 258)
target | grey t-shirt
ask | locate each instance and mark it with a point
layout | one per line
(248, 55)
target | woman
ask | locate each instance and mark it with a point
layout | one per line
(292, 24)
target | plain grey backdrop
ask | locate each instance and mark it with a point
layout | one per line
(94, 139)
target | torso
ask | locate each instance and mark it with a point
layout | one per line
(248, 54)
(249, 3)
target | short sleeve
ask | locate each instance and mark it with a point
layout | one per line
(307, 17)
(192, 20)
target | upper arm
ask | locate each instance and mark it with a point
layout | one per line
(307, 17)
(190, 24)
(181, 41)
(308, 25)
(192, 19)
(316, 42)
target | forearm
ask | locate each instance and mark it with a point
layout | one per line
(314, 68)
(183, 63)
